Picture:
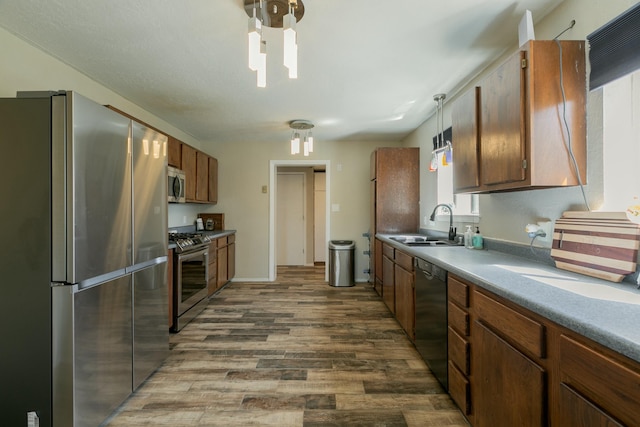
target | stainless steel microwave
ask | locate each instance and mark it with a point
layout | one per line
(175, 185)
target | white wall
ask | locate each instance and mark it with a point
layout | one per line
(504, 215)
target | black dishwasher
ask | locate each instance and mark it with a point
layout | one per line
(431, 318)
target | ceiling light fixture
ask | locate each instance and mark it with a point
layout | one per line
(283, 14)
(301, 125)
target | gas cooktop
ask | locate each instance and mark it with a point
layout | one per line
(189, 241)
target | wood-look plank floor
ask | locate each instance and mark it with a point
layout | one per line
(296, 352)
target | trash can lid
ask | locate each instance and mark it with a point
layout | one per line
(341, 244)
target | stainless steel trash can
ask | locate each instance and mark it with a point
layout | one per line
(341, 266)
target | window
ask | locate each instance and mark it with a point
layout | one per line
(621, 147)
(465, 206)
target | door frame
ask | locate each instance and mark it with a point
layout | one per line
(273, 170)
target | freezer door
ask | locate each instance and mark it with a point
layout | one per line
(92, 351)
(149, 194)
(150, 331)
(91, 144)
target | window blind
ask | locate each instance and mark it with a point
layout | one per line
(615, 48)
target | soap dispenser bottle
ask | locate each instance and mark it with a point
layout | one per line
(468, 238)
(478, 241)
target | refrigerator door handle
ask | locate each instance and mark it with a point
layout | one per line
(146, 264)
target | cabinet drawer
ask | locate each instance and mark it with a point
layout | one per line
(602, 380)
(459, 389)
(222, 241)
(458, 291)
(388, 251)
(517, 328)
(459, 352)
(403, 260)
(458, 319)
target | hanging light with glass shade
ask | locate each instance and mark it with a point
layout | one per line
(442, 149)
(300, 126)
(283, 14)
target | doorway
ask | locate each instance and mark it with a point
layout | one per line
(277, 166)
(291, 218)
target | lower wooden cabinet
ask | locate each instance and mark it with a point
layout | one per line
(388, 277)
(212, 282)
(170, 285)
(511, 367)
(405, 293)
(510, 389)
(596, 389)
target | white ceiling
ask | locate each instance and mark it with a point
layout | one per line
(368, 69)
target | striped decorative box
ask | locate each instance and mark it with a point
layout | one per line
(598, 244)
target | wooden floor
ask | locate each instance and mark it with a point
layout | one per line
(296, 352)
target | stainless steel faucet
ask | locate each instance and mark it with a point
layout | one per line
(452, 231)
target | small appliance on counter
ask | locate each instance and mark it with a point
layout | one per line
(212, 221)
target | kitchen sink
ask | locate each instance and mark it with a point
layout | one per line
(413, 240)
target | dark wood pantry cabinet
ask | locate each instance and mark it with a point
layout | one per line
(395, 198)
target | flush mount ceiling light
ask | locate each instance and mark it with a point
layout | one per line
(274, 14)
(298, 127)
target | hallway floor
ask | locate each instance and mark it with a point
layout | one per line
(296, 352)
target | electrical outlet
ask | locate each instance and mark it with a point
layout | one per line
(547, 227)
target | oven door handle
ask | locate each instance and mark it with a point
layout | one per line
(195, 254)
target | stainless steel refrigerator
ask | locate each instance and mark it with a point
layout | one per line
(83, 277)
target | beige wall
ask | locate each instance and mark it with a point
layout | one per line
(244, 169)
(243, 166)
(504, 216)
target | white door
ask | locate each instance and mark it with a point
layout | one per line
(319, 218)
(290, 225)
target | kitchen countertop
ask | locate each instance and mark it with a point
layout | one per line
(606, 312)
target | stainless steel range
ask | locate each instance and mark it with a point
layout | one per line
(190, 276)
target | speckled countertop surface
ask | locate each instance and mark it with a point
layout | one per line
(606, 312)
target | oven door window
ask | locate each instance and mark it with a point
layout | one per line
(193, 280)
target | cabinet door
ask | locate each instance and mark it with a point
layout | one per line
(188, 165)
(464, 119)
(609, 386)
(231, 261)
(170, 285)
(405, 300)
(377, 266)
(213, 180)
(503, 123)
(388, 283)
(202, 177)
(212, 282)
(397, 190)
(575, 410)
(508, 388)
(222, 266)
(174, 152)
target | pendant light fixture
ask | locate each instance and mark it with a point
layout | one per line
(255, 38)
(283, 14)
(297, 126)
(290, 59)
(442, 146)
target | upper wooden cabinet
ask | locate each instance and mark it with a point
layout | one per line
(188, 165)
(201, 175)
(509, 132)
(213, 180)
(174, 152)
